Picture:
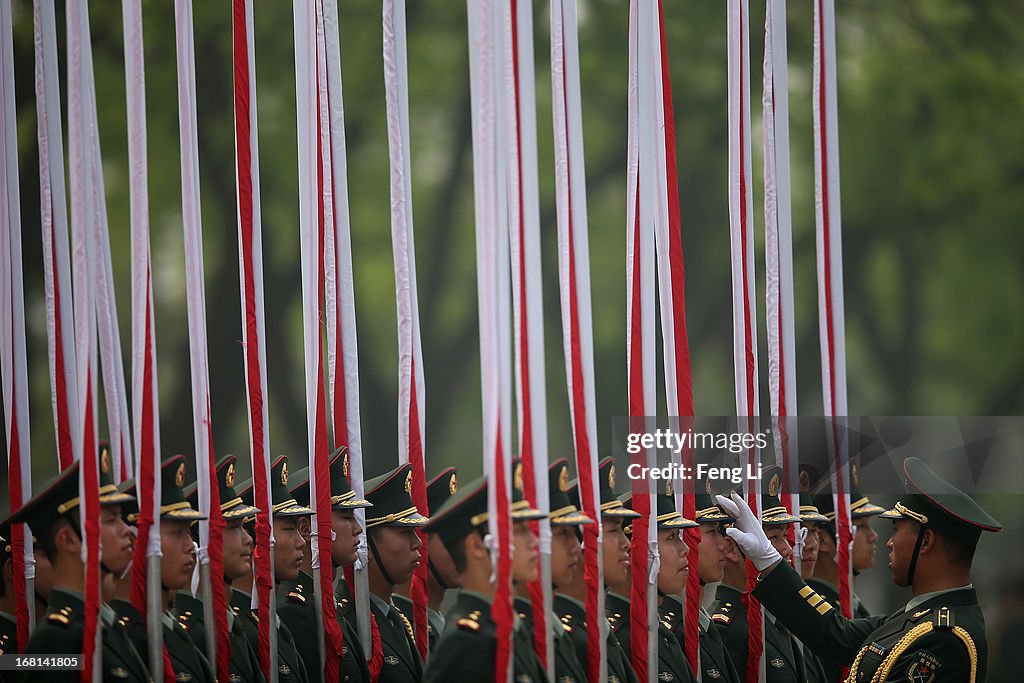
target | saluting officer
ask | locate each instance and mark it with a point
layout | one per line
(177, 561)
(566, 554)
(672, 664)
(466, 650)
(296, 598)
(236, 557)
(715, 660)
(442, 575)
(783, 657)
(395, 549)
(569, 602)
(53, 515)
(939, 636)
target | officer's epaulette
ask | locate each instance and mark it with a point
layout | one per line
(408, 627)
(615, 621)
(722, 615)
(298, 597)
(185, 619)
(567, 620)
(468, 623)
(123, 621)
(943, 618)
(62, 617)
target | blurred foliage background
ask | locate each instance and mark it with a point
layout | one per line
(932, 169)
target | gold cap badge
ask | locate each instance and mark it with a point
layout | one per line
(611, 476)
(773, 486)
(805, 481)
(408, 482)
(453, 486)
(105, 460)
(854, 474)
(668, 487)
(284, 473)
(563, 479)
(179, 476)
(344, 464)
(229, 477)
(517, 477)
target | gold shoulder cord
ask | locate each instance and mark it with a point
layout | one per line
(913, 634)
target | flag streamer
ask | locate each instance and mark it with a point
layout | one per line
(210, 530)
(13, 359)
(574, 285)
(778, 226)
(487, 36)
(60, 327)
(741, 234)
(250, 270)
(411, 391)
(831, 316)
(524, 241)
(640, 340)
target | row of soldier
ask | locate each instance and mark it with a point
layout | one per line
(938, 636)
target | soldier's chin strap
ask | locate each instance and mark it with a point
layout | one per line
(917, 552)
(436, 574)
(380, 565)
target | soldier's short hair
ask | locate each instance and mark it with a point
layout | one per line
(457, 549)
(48, 535)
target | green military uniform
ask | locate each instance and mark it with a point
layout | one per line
(570, 610)
(672, 663)
(62, 628)
(468, 646)
(809, 514)
(187, 661)
(296, 604)
(290, 667)
(188, 610)
(391, 497)
(784, 661)
(937, 638)
(435, 620)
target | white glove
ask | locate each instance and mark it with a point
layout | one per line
(748, 533)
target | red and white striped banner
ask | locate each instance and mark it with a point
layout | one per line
(487, 68)
(54, 221)
(211, 529)
(250, 271)
(145, 396)
(661, 170)
(778, 229)
(520, 121)
(83, 146)
(13, 359)
(744, 325)
(574, 286)
(339, 295)
(640, 340)
(831, 316)
(411, 392)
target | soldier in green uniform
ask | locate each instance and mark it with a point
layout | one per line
(672, 573)
(566, 555)
(176, 516)
(289, 552)
(715, 661)
(296, 598)
(442, 575)
(236, 555)
(783, 657)
(467, 648)
(811, 520)
(42, 585)
(53, 515)
(939, 636)
(394, 547)
(569, 602)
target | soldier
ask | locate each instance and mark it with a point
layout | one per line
(177, 561)
(566, 555)
(570, 601)
(811, 521)
(715, 660)
(442, 575)
(42, 585)
(236, 558)
(783, 658)
(53, 515)
(394, 546)
(289, 551)
(939, 636)
(862, 556)
(672, 664)
(467, 648)
(295, 601)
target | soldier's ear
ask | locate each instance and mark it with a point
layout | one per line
(66, 540)
(929, 542)
(303, 527)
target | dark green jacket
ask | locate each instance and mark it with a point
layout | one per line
(60, 632)
(672, 664)
(297, 610)
(435, 621)
(188, 662)
(290, 668)
(715, 660)
(568, 669)
(467, 647)
(244, 664)
(782, 657)
(831, 668)
(574, 618)
(941, 640)
(402, 661)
